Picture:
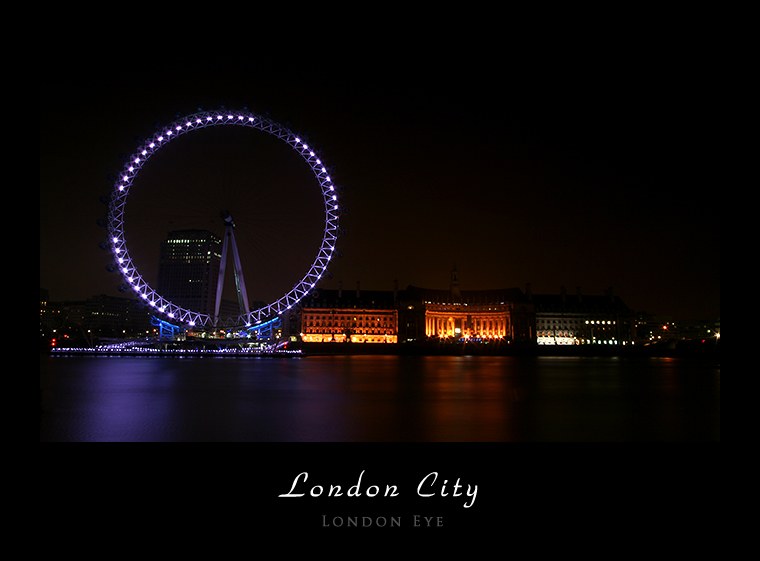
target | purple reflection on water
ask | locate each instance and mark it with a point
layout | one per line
(377, 398)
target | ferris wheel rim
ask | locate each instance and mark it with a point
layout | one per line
(201, 120)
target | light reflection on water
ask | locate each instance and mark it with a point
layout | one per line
(378, 398)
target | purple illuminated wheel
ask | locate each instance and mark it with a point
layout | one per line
(118, 200)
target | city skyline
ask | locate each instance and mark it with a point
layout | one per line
(553, 174)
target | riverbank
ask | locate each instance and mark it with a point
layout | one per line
(709, 350)
(684, 349)
(189, 352)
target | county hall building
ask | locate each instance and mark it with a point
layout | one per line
(420, 314)
(413, 314)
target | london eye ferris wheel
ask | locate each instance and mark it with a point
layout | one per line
(163, 306)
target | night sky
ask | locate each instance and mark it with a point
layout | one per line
(556, 161)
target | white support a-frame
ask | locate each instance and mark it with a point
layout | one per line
(229, 239)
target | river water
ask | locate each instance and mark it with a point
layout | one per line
(378, 398)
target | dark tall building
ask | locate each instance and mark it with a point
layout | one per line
(189, 268)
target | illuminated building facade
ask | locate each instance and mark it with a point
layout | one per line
(580, 319)
(509, 314)
(475, 315)
(414, 314)
(337, 316)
